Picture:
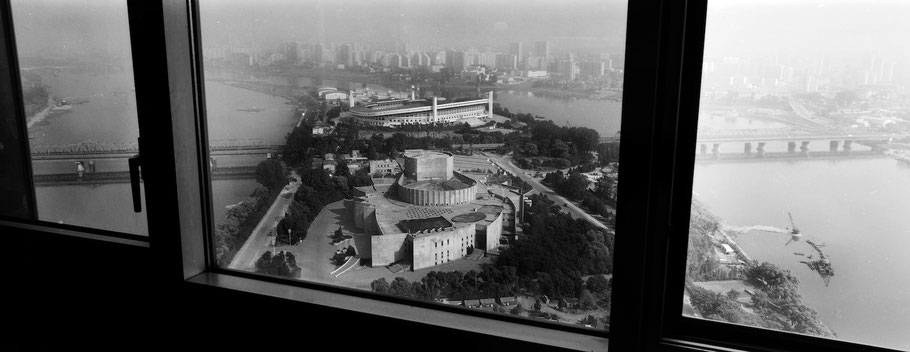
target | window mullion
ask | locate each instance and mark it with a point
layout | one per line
(17, 189)
(167, 123)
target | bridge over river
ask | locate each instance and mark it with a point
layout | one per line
(243, 172)
(92, 149)
(759, 138)
(104, 162)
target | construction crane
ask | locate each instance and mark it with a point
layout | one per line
(794, 233)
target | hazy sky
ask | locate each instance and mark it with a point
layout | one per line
(599, 23)
(807, 27)
(71, 27)
(735, 27)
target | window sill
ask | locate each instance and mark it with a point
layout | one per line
(503, 329)
(113, 237)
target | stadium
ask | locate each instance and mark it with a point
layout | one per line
(398, 112)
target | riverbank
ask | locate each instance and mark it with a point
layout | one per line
(527, 86)
(774, 302)
(43, 113)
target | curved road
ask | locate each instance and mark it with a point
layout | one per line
(559, 200)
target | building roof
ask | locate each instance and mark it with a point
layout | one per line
(435, 185)
(417, 225)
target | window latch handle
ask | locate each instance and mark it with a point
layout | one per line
(134, 163)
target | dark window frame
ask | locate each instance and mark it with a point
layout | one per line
(20, 173)
(663, 55)
(653, 287)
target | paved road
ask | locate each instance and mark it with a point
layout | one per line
(559, 200)
(259, 240)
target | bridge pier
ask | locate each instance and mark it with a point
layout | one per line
(716, 150)
(804, 147)
(704, 148)
(747, 148)
(832, 146)
(848, 145)
(791, 147)
(761, 149)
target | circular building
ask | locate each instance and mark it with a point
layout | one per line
(429, 180)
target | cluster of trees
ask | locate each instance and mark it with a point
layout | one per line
(34, 93)
(492, 281)
(779, 300)
(271, 174)
(280, 264)
(717, 306)
(239, 222)
(558, 250)
(701, 263)
(316, 190)
(574, 185)
(341, 256)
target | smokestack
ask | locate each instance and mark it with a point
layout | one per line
(350, 99)
(435, 114)
(412, 92)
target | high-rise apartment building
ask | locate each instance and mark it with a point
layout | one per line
(319, 53)
(456, 60)
(506, 61)
(592, 68)
(290, 52)
(345, 55)
(517, 49)
(542, 49)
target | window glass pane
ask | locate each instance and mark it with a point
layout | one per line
(802, 183)
(420, 149)
(80, 104)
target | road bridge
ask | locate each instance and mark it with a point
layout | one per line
(708, 135)
(794, 156)
(225, 173)
(758, 138)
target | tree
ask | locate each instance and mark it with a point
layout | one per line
(339, 258)
(281, 264)
(270, 174)
(597, 284)
(341, 168)
(380, 285)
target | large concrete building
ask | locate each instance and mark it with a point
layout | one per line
(430, 216)
(397, 112)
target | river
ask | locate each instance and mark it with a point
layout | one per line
(108, 114)
(857, 207)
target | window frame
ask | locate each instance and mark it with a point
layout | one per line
(664, 244)
(12, 78)
(663, 71)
